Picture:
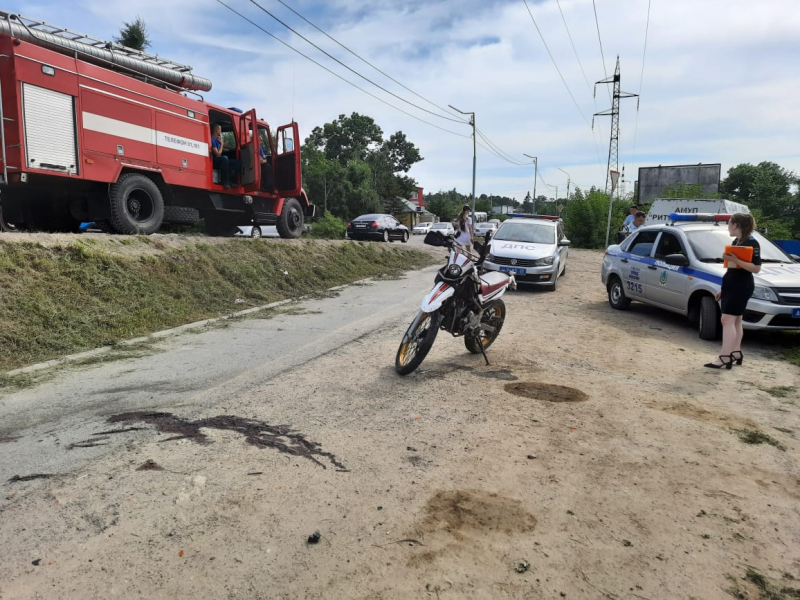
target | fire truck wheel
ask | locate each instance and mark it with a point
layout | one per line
(181, 215)
(136, 205)
(290, 223)
(4, 225)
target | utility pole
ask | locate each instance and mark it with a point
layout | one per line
(568, 180)
(474, 155)
(535, 174)
(613, 147)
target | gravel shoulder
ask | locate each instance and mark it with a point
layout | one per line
(443, 484)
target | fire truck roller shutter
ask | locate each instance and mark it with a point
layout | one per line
(50, 137)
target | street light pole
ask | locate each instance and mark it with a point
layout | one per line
(474, 155)
(535, 174)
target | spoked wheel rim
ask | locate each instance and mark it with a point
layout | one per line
(494, 316)
(140, 205)
(385, 236)
(255, 233)
(408, 351)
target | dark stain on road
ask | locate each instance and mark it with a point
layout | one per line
(503, 374)
(279, 437)
(8, 439)
(29, 477)
(546, 391)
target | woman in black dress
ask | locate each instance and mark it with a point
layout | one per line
(737, 287)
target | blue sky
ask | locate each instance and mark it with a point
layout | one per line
(720, 80)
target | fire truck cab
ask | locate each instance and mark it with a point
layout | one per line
(92, 131)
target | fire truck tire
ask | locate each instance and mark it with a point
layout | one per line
(290, 223)
(136, 204)
(181, 215)
(5, 226)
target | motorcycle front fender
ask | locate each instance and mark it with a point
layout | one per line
(436, 297)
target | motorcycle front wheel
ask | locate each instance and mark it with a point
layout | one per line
(417, 342)
(494, 315)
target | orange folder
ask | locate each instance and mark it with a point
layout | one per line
(744, 253)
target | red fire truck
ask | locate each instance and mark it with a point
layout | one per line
(95, 131)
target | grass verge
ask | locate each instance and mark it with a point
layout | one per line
(65, 299)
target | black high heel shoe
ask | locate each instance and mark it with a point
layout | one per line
(728, 364)
(737, 359)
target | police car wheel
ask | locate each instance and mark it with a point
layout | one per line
(710, 328)
(616, 295)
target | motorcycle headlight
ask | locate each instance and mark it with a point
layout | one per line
(543, 262)
(764, 293)
(454, 270)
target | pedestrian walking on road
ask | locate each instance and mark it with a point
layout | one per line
(737, 287)
(464, 229)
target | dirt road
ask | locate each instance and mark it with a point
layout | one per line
(458, 481)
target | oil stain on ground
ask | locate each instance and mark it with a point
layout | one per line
(470, 513)
(546, 392)
(257, 433)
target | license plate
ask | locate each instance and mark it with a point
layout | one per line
(360, 225)
(513, 270)
(796, 313)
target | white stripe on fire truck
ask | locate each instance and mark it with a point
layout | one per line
(147, 135)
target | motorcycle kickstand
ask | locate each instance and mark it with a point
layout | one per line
(480, 345)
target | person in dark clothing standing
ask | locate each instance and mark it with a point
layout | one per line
(737, 287)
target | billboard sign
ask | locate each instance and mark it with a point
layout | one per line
(653, 181)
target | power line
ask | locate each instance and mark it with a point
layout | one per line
(588, 85)
(367, 62)
(499, 150)
(297, 33)
(597, 22)
(554, 63)
(641, 79)
(500, 156)
(337, 75)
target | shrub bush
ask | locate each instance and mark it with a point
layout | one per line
(328, 227)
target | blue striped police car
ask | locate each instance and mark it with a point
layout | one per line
(678, 266)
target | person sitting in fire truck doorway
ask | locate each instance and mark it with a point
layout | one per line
(225, 165)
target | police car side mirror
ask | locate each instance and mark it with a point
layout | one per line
(564, 242)
(679, 260)
(795, 258)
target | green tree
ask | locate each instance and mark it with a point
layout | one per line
(347, 138)
(134, 35)
(442, 207)
(585, 221)
(767, 188)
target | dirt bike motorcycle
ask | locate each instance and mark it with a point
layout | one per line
(463, 302)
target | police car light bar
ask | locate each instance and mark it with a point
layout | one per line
(699, 217)
(527, 216)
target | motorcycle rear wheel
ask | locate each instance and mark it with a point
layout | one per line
(494, 315)
(417, 342)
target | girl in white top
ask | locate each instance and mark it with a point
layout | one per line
(464, 229)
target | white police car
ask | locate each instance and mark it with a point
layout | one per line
(532, 247)
(678, 266)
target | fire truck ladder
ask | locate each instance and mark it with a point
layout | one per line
(101, 52)
(73, 36)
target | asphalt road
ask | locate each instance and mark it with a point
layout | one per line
(192, 371)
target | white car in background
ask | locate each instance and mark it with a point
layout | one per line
(443, 228)
(482, 228)
(422, 228)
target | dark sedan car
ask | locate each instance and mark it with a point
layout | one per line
(377, 227)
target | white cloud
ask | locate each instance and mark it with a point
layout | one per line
(720, 79)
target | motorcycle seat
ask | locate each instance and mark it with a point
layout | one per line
(492, 281)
